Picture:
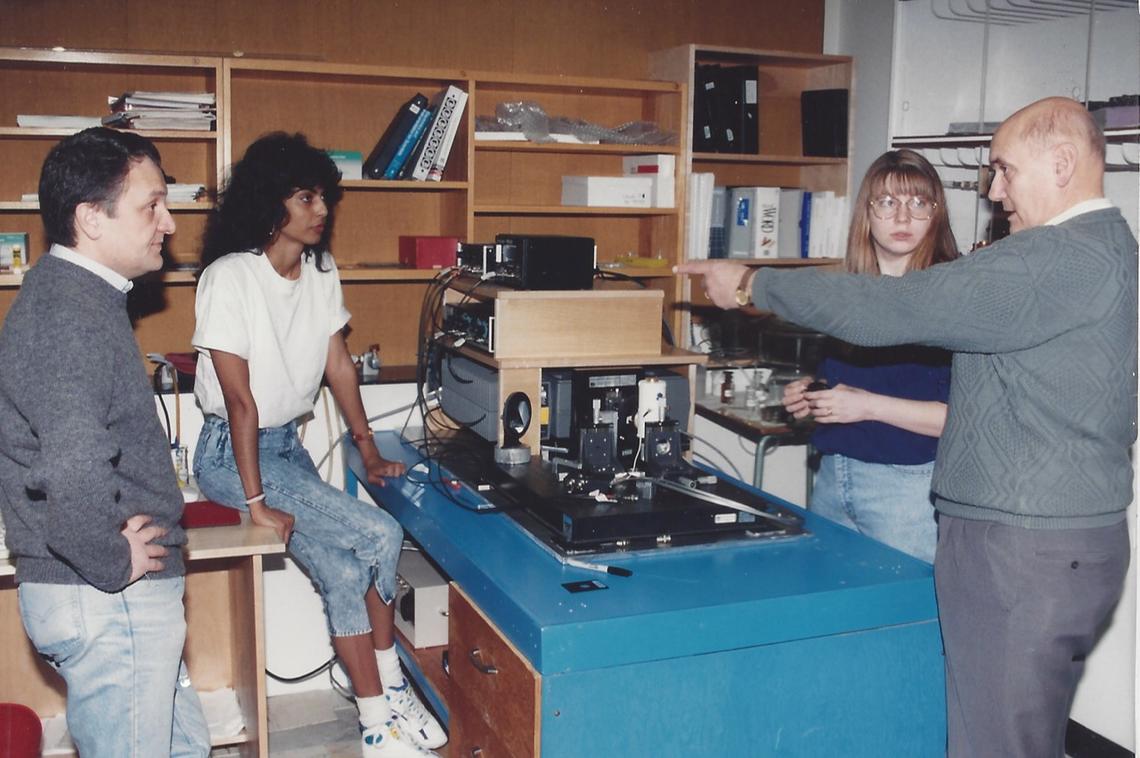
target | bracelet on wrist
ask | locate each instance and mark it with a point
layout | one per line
(258, 498)
(365, 436)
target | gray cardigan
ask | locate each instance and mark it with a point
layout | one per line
(81, 447)
(1042, 404)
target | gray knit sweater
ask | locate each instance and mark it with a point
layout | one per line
(81, 447)
(1042, 404)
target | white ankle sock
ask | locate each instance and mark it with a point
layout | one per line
(374, 711)
(391, 675)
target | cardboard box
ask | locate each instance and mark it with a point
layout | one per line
(428, 252)
(661, 169)
(608, 191)
(350, 163)
(421, 601)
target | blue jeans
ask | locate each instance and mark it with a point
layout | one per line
(887, 502)
(346, 545)
(128, 694)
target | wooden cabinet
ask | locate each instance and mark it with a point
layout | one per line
(488, 188)
(225, 632)
(495, 693)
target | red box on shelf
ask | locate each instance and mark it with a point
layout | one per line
(428, 252)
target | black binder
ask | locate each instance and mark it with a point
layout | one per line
(824, 115)
(389, 142)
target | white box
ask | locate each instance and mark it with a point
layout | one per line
(607, 191)
(661, 169)
(421, 601)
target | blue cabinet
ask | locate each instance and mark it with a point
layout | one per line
(824, 645)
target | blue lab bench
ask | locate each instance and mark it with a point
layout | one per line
(824, 645)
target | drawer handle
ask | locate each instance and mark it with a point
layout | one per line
(476, 658)
(476, 752)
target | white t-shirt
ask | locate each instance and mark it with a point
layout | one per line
(279, 326)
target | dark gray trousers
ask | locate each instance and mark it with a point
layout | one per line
(1020, 610)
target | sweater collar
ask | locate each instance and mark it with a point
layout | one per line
(113, 278)
(1088, 206)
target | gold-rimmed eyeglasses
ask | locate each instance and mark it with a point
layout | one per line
(917, 206)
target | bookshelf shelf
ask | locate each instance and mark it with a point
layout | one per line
(361, 274)
(780, 160)
(515, 146)
(569, 210)
(393, 185)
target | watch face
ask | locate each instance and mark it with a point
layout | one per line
(743, 297)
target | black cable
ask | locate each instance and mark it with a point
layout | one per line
(157, 380)
(294, 679)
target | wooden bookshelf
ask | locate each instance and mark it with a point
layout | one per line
(489, 188)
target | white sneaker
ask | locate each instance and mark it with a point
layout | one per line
(413, 719)
(387, 742)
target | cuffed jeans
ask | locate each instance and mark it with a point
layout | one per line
(346, 545)
(887, 502)
(120, 653)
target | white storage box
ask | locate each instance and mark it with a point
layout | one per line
(608, 191)
(659, 168)
(421, 601)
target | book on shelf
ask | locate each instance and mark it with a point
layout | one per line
(431, 160)
(156, 99)
(705, 94)
(398, 128)
(828, 225)
(404, 151)
(788, 239)
(700, 205)
(745, 105)
(753, 222)
(124, 120)
(47, 121)
(718, 235)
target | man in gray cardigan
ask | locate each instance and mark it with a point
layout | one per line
(1033, 474)
(87, 488)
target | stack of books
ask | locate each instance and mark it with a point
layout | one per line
(193, 111)
(417, 142)
(764, 222)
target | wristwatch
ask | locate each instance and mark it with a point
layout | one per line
(744, 291)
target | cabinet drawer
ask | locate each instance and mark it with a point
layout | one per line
(494, 679)
(471, 737)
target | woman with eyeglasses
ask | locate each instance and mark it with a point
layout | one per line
(882, 410)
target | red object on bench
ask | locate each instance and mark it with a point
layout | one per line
(199, 513)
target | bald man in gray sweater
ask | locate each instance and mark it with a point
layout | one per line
(87, 488)
(1033, 473)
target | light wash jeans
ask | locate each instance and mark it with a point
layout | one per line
(887, 502)
(128, 694)
(345, 544)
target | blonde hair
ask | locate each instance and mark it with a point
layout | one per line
(902, 172)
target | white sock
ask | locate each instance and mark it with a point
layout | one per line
(374, 711)
(391, 675)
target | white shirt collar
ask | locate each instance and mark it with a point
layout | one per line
(1096, 204)
(113, 278)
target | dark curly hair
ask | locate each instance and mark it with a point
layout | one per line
(251, 208)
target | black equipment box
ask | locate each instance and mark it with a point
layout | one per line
(545, 262)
